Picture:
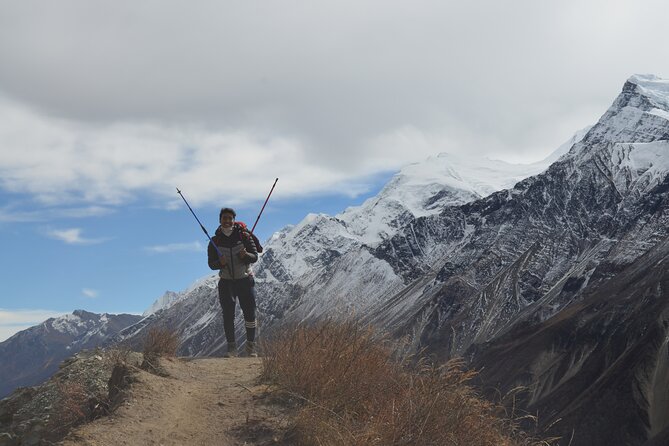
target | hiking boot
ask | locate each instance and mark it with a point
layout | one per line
(232, 350)
(251, 349)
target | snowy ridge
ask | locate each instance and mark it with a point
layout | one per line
(425, 188)
(653, 88)
(83, 327)
(78, 323)
(301, 252)
(565, 147)
(639, 114)
(638, 167)
(170, 298)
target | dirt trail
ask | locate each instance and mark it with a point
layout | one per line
(209, 401)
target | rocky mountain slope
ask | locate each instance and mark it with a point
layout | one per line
(32, 355)
(600, 367)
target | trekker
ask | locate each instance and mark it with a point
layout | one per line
(238, 251)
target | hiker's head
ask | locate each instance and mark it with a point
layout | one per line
(227, 217)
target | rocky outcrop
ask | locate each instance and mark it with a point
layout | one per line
(78, 392)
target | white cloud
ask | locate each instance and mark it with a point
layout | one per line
(102, 105)
(60, 161)
(72, 236)
(90, 293)
(13, 321)
(176, 247)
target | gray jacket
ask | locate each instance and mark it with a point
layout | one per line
(229, 248)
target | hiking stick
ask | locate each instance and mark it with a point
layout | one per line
(263, 206)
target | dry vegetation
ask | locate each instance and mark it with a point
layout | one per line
(81, 396)
(159, 341)
(75, 404)
(77, 401)
(352, 391)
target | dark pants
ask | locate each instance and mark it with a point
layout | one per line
(244, 290)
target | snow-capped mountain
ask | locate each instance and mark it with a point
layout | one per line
(293, 255)
(171, 297)
(574, 256)
(32, 355)
(335, 256)
(558, 285)
(424, 188)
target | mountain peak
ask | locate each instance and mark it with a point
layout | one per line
(84, 314)
(652, 87)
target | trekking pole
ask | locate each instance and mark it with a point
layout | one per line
(220, 255)
(263, 206)
(200, 223)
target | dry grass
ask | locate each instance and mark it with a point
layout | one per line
(159, 342)
(118, 354)
(354, 393)
(75, 405)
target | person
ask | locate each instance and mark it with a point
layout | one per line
(237, 252)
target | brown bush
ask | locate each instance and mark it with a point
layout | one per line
(75, 404)
(118, 354)
(354, 393)
(159, 342)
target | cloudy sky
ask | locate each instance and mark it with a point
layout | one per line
(106, 106)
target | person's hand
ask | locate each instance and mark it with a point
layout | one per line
(223, 261)
(243, 254)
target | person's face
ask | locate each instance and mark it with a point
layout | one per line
(227, 220)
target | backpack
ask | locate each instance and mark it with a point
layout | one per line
(244, 232)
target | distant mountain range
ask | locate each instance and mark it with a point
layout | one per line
(551, 277)
(31, 356)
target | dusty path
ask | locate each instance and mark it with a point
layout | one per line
(209, 401)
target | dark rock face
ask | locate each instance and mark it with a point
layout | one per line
(599, 366)
(31, 356)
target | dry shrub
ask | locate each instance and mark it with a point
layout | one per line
(159, 342)
(338, 365)
(73, 406)
(355, 393)
(118, 354)
(72, 402)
